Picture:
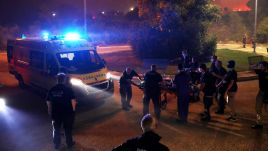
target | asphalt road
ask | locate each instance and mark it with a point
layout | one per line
(101, 124)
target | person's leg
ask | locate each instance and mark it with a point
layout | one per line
(68, 128)
(56, 132)
(207, 102)
(259, 105)
(231, 103)
(146, 101)
(156, 102)
(123, 97)
(221, 99)
(183, 107)
(129, 96)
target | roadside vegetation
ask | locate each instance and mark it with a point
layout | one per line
(240, 57)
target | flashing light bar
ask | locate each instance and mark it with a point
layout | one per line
(72, 36)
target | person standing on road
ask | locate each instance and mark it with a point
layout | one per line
(244, 40)
(262, 72)
(213, 60)
(61, 104)
(230, 84)
(148, 141)
(152, 90)
(182, 84)
(208, 88)
(219, 73)
(125, 87)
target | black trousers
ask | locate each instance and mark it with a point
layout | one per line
(126, 95)
(221, 101)
(207, 103)
(67, 123)
(156, 101)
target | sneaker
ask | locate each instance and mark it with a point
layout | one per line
(205, 118)
(219, 112)
(71, 145)
(56, 147)
(125, 108)
(257, 126)
(232, 119)
(130, 106)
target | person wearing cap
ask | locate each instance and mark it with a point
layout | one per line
(182, 83)
(148, 141)
(262, 71)
(61, 104)
(125, 87)
(229, 83)
(219, 73)
(152, 90)
(208, 87)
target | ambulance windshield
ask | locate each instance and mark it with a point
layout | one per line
(80, 62)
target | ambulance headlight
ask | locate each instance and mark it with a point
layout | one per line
(108, 75)
(76, 82)
(2, 104)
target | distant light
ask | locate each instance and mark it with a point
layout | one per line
(54, 14)
(103, 12)
(131, 9)
(76, 82)
(2, 104)
(23, 36)
(45, 35)
(72, 36)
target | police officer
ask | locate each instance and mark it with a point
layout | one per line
(182, 84)
(152, 90)
(219, 73)
(208, 88)
(148, 141)
(61, 104)
(262, 72)
(125, 87)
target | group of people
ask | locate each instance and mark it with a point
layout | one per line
(215, 83)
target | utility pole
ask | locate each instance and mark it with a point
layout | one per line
(255, 26)
(85, 17)
(256, 14)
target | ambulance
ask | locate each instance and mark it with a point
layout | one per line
(37, 61)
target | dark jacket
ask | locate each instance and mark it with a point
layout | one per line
(148, 141)
(151, 83)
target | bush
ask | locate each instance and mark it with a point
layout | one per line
(262, 31)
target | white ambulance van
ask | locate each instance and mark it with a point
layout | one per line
(37, 61)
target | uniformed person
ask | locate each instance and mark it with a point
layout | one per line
(125, 87)
(208, 88)
(262, 96)
(61, 104)
(182, 84)
(152, 90)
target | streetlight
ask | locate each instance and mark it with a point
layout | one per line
(255, 26)
(256, 13)
(85, 16)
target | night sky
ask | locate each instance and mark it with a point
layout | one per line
(18, 11)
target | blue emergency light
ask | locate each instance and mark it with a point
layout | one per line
(72, 36)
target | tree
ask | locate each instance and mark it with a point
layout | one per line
(262, 32)
(172, 25)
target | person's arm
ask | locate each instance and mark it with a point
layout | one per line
(49, 104)
(74, 103)
(49, 108)
(230, 85)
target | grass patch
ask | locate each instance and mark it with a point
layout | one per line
(240, 57)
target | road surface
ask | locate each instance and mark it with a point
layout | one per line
(101, 124)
